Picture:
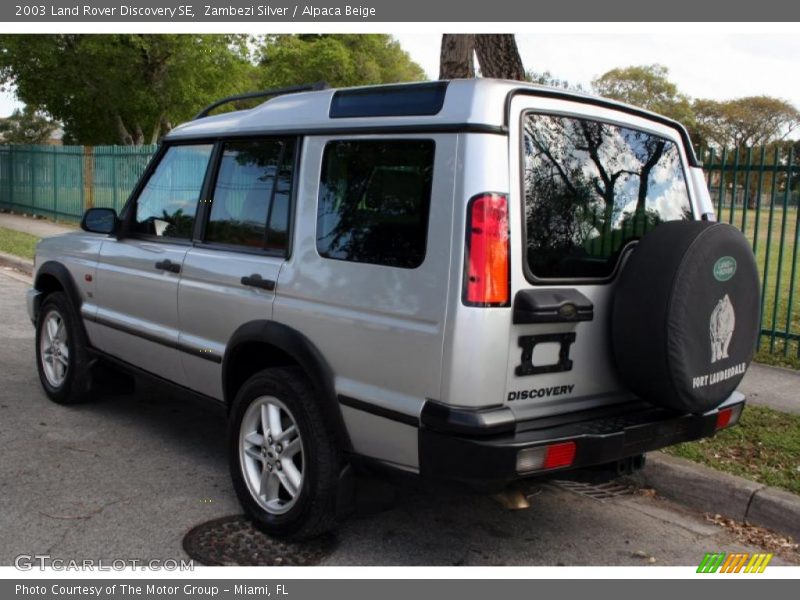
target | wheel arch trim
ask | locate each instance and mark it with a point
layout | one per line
(302, 351)
(61, 274)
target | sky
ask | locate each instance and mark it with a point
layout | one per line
(703, 64)
(719, 66)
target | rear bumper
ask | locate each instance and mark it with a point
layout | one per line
(482, 446)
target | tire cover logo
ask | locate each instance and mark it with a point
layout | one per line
(724, 268)
(721, 326)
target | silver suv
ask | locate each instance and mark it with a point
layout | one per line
(472, 280)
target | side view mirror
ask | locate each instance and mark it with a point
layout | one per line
(100, 220)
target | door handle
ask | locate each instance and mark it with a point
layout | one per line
(255, 280)
(168, 265)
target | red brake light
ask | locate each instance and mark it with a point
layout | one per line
(559, 455)
(487, 264)
(724, 418)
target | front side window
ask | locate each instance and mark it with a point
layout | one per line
(374, 200)
(590, 188)
(167, 205)
(250, 204)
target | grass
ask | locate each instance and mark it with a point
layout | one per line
(17, 243)
(763, 447)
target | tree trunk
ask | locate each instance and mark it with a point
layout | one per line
(156, 131)
(456, 56)
(640, 216)
(498, 56)
(125, 138)
(138, 136)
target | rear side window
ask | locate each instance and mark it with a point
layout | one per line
(250, 205)
(590, 188)
(167, 205)
(374, 201)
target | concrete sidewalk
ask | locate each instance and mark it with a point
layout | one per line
(38, 227)
(775, 387)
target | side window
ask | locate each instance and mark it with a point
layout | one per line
(167, 205)
(250, 205)
(590, 188)
(374, 200)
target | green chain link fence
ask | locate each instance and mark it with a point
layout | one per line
(60, 182)
(755, 189)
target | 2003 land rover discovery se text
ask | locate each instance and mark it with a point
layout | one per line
(471, 280)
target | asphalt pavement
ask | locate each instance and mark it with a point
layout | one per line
(126, 477)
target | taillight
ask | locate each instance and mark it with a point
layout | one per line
(559, 455)
(554, 456)
(728, 417)
(723, 418)
(486, 277)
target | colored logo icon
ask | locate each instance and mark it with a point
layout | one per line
(742, 562)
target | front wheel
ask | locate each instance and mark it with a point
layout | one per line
(61, 351)
(283, 458)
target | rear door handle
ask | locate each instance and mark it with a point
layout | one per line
(168, 265)
(255, 280)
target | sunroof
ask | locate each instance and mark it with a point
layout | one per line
(389, 101)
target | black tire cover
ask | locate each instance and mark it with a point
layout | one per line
(685, 315)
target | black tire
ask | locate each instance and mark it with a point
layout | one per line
(685, 315)
(75, 385)
(314, 510)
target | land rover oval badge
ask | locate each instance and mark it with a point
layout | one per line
(724, 268)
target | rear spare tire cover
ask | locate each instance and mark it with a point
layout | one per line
(685, 315)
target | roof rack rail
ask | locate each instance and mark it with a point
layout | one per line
(308, 87)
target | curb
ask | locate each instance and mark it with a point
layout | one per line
(15, 262)
(711, 491)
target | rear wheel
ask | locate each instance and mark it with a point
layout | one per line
(283, 459)
(61, 356)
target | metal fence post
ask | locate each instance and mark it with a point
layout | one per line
(88, 177)
(721, 188)
(733, 186)
(758, 198)
(55, 180)
(781, 247)
(11, 168)
(746, 199)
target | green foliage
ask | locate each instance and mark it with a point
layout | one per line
(131, 88)
(550, 80)
(27, 126)
(122, 88)
(649, 87)
(751, 121)
(340, 60)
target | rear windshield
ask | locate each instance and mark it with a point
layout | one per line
(590, 188)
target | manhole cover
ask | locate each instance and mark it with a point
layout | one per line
(595, 491)
(234, 541)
